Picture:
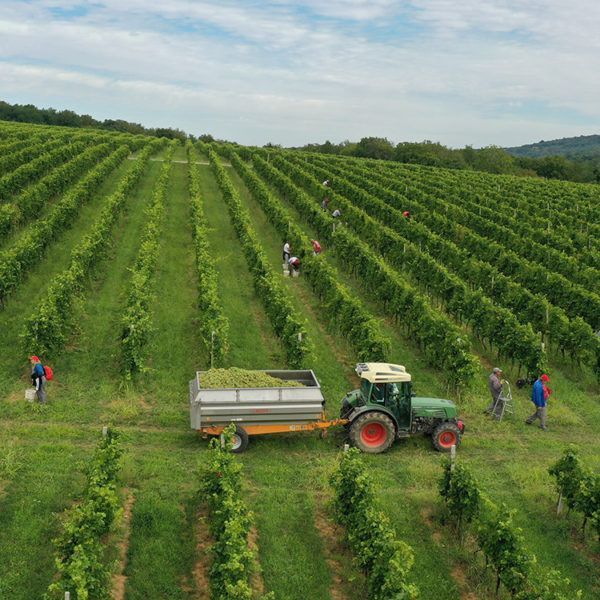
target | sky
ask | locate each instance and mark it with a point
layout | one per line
(477, 72)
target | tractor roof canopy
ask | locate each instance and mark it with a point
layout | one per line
(382, 372)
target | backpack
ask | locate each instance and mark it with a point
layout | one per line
(48, 372)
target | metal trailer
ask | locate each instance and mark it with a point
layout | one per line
(258, 411)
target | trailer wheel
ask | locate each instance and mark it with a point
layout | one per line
(445, 436)
(372, 432)
(240, 440)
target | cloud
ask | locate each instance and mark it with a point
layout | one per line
(293, 72)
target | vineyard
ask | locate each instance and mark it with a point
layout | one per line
(128, 263)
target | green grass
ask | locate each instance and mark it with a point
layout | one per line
(45, 483)
(175, 351)
(249, 327)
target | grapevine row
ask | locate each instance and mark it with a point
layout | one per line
(490, 322)
(574, 299)
(344, 312)
(440, 340)
(47, 329)
(80, 547)
(11, 146)
(214, 326)
(13, 183)
(573, 336)
(36, 148)
(515, 237)
(230, 522)
(556, 231)
(572, 202)
(16, 261)
(560, 228)
(285, 321)
(136, 322)
(500, 541)
(579, 487)
(385, 560)
(28, 204)
(568, 229)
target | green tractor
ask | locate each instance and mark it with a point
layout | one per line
(385, 408)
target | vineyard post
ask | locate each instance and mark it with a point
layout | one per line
(67, 595)
(559, 504)
(452, 456)
(105, 431)
(212, 347)
(346, 447)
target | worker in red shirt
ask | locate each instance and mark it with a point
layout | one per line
(316, 247)
(406, 214)
(294, 262)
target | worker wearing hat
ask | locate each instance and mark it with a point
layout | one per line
(495, 387)
(539, 396)
(38, 378)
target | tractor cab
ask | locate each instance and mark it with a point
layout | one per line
(394, 395)
(385, 408)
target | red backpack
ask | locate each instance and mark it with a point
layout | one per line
(48, 372)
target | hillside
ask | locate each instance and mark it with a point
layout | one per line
(581, 147)
(128, 263)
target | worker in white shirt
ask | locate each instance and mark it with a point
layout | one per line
(287, 252)
(336, 214)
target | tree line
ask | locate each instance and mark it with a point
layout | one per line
(491, 159)
(28, 113)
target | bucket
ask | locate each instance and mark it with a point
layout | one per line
(30, 394)
(295, 273)
(286, 273)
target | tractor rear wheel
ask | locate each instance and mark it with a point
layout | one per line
(372, 432)
(446, 435)
(240, 440)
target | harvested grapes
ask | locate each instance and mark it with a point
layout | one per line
(242, 378)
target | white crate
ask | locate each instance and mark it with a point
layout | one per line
(30, 394)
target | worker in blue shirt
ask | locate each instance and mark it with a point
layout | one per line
(538, 397)
(38, 378)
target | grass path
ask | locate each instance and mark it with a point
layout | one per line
(162, 549)
(175, 351)
(249, 326)
(43, 486)
(90, 369)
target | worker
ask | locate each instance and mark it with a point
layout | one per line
(495, 387)
(336, 213)
(539, 395)
(316, 247)
(38, 378)
(287, 252)
(326, 183)
(294, 262)
(325, 203)
(406, 215)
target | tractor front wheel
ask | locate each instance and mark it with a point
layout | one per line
(372, 432)
(446, 435)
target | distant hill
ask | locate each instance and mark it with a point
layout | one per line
(582, 147)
